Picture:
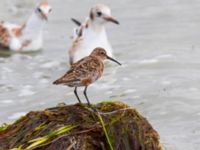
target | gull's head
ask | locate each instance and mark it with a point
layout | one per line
(43, 10)
(101, 54)
(102, 14)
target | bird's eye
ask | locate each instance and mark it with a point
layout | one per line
(99, 13)
(39, 10)
(50, 10)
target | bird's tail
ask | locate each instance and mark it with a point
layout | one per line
(61, 81)
(56, 82)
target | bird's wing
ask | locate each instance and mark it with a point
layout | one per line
(4, 36)
(7, 31)
(17, 31)
(82, 28)
(72, 50)
(77, 38)
(83, 69)
(77, 32)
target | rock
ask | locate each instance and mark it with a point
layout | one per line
(77, 127)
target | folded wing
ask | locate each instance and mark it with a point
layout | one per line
(85, 70)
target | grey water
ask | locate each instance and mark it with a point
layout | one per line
(158, 43)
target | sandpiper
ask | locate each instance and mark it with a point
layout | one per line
(27, 37)
(91, 33)
(85, 71)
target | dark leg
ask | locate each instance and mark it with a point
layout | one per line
(75, 92)
(85, 94)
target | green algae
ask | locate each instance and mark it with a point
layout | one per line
(105, 131)
(3, 127)
(35, 143)
(40, 126)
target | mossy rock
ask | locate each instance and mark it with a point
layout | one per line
(76, 127)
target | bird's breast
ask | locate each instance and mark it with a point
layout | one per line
(99, 71)
(35, 44)
(89, 43)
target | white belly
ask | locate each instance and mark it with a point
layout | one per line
(35, 45)
(14, 44)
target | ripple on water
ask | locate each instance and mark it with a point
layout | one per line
(6, 88)
(44, 81)
(130, 91)
(26, 91)
(157, 59)
(2, 60)
(5, 102)
(166, 82)
(6, 70)
(50, 64)
(148, 61)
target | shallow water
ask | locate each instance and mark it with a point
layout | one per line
(158, 44)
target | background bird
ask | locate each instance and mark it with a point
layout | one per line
(85, 71)
(91, 33)
(27, 37)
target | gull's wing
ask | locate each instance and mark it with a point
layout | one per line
(78, 35)
(8, 31)
(4, 36)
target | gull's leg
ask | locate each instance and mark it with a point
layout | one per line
(75, 92)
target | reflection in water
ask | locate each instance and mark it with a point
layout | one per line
(157, 43)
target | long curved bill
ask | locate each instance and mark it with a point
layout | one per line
(110, 58)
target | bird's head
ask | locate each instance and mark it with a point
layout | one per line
(101, 14)
(100, 53)
(43, 10)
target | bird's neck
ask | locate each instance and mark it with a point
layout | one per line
(96, 57)
(96, 27)
(34, 25)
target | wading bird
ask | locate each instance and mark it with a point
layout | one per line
(85, 72)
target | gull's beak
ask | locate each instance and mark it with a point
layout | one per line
(113, 60)
(111, 19)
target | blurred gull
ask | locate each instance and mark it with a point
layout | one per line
(27, 37)
(91, 33)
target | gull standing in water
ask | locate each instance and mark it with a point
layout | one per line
(27, 37)
(91, 33)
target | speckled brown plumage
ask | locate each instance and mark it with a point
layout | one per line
(85, 71)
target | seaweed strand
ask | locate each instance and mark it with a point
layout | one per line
(105, 131)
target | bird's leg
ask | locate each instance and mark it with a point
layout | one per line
(75, 92)
(85, 94)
